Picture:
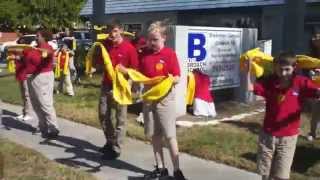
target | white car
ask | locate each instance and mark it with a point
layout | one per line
(25, 39)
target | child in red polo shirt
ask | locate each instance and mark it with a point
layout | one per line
(159, 116)
(283, 92)
(65, 55)
(121, 53)
(40, 81)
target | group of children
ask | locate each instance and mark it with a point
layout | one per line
(283, 91)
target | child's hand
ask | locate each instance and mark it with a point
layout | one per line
(176, 79)
(123, 69)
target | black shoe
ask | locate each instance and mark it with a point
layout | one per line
(35, 131)
(178, 175)
(156, 174)
(106, 148)
(53, 134)
(111, 155)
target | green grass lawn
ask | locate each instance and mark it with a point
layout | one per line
(232, 143)
(20, 163)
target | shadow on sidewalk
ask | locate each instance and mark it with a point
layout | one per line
(88, 151)
(9, 122)
(84, 153)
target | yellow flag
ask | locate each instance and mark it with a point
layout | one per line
(11, 66)
(307, 62)
(261, 63)
(191, 86)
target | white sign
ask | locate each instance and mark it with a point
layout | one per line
(265, 46)
(216, 51)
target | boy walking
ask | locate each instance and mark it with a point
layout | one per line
(283, 92)
(122, 53)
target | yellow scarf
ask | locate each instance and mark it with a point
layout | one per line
(262, 63)
(57, 71)
(191, 87)
(121, 87)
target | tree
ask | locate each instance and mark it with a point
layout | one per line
(9, 14)
(53, 14)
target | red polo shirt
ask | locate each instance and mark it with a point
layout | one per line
(31, 59)
(47, 63)
(34, 62)
(283, 106)
(161, 63)
(20, 71)
(123, 53)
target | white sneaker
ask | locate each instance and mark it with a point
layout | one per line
(26, 118)
(20, 117)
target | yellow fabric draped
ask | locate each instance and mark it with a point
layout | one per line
(191, 86)
(11, 65)
(307, 62)
(102, 36)
(57, 71)
(15, 49)
(121, 86)
(99, 28)
(262, 63)
(108, 67)
(74, 44)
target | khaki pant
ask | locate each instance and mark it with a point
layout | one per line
(275, 155)
(27, 106)
(66, 79)
(41, 95)
(315, 119)
(160, 117)
(111, 112)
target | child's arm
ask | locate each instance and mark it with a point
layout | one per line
(257, 88)
(248, 74)
(176, 79)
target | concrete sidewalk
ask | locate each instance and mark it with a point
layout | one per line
(78, 147)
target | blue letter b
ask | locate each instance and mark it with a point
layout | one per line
(192, 47)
